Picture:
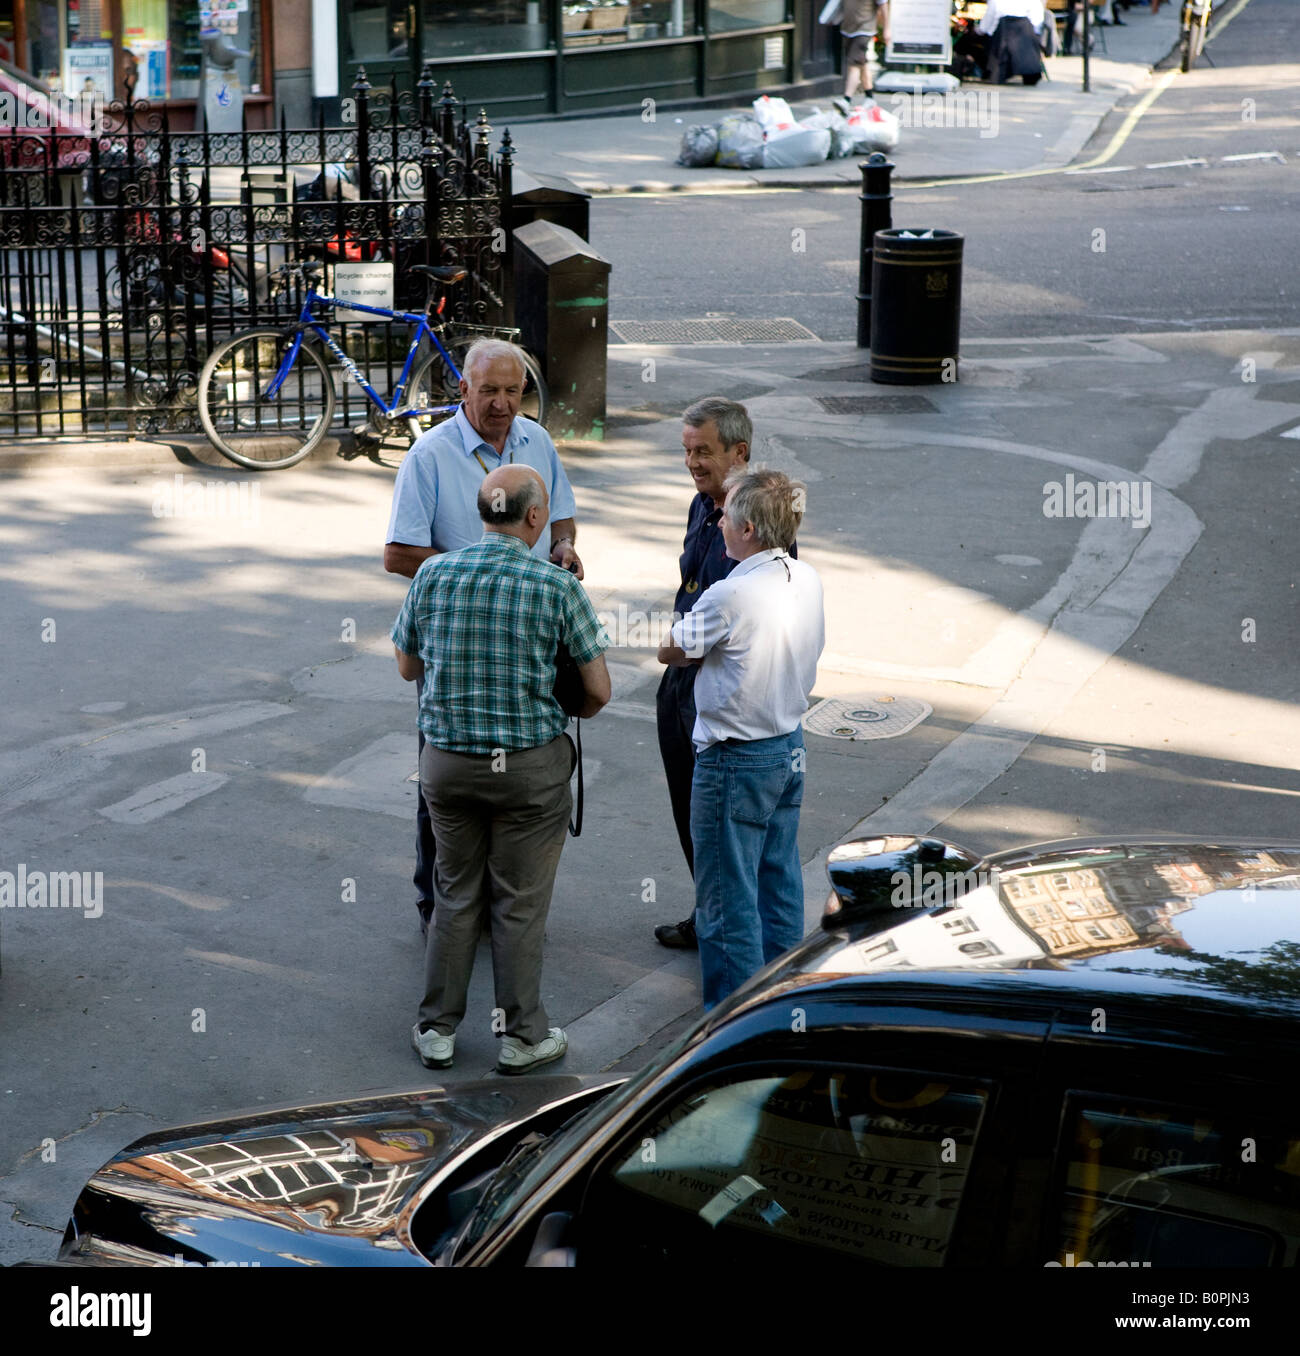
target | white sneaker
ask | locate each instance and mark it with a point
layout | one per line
(435, 1049)
(517, 1056)
(842, 106)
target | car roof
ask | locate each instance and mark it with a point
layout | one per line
(1205, 923)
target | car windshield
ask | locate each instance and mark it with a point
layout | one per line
(520, 1174)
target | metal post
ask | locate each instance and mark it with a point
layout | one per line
(1087, 34)
(876, 216)
(361, 88)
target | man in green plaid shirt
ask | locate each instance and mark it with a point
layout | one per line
(481, 625)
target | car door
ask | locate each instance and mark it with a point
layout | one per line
(1178, 1153)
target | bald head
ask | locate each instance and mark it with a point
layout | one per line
(513, 499)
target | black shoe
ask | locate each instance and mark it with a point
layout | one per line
(680, 936)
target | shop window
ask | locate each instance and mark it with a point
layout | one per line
(590, 23)
(161, 47)
(790, 1167)
(1147, 1186)
(471, 27)
(376, 30)
(726, 15)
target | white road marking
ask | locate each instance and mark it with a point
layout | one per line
(1105, 169)
(1292, 432)
(1254, 155)
(56, 767)
(378, 778)
(1178, 164)
(152, 802)
(1091, 615)
(632, 711)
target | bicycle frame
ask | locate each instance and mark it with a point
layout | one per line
(308, 321)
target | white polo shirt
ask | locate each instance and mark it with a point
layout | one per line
(760, 632)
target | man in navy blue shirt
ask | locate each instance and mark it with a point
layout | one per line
(716, 434)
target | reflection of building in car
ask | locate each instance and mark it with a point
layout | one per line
(981, 1081)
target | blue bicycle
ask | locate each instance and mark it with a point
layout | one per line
(266, 396)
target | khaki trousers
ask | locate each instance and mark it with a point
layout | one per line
(499, 823)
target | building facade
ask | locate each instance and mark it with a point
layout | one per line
(538, 58)
(517, 58)
(153, 49)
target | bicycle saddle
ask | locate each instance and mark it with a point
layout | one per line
(451, 273)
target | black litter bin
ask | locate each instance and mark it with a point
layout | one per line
(915, 306)
(562, 309)
(549, 197)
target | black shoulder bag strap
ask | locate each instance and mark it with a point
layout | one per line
(575, 824)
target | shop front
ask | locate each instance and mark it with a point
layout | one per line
(524, 58)
(145, 49)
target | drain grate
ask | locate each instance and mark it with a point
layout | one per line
(865, 717)
(877, 404)
(711, 331)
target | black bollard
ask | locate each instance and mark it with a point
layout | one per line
(876, 216)
(1087, 35)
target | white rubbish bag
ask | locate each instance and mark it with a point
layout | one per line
(774, 114)
(797, 147)
(873, 128)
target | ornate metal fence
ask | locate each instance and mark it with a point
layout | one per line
(127, 249)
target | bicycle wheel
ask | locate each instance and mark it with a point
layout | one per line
(433, 384)
(434, 390)
(242, 423)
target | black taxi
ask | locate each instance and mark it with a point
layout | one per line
(1077, 1054)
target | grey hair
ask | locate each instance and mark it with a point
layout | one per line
(485, 350)
(729, 417)
(514, 506)
(770, 500)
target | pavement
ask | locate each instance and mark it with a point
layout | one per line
(218, 726)
(978, 129)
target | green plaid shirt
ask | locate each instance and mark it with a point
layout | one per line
(486, 621)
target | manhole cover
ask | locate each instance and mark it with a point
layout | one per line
(712, 331)
(865, 717)
(877, 404)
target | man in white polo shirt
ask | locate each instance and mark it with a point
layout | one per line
(757, 635)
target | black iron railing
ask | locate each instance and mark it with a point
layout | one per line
(127, 249)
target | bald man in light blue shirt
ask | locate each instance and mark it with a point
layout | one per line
(435, 503)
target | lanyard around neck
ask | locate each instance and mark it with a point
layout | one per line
(483, 464)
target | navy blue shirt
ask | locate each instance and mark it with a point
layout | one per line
(704, 559)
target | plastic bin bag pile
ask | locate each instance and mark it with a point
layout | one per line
(772, 138)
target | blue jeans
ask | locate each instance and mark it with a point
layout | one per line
(745, 799)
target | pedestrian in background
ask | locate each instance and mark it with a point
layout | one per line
(480, 627)
(1012, 28)
(434, 503)
(859, 20)
(756, 636)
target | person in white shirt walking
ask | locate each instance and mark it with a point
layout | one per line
(757, 636)
(1012, 27)
(859, 20)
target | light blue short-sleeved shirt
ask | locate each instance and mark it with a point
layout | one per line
(435, 497)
